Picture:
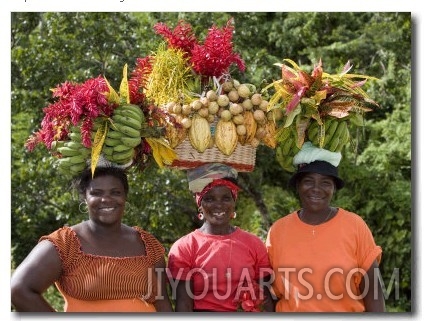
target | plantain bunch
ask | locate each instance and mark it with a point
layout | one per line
(286, 147)
(333, 135)
(123, 134)
(73, 154)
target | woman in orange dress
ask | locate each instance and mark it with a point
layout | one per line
(99, 265)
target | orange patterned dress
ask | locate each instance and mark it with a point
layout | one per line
(93, 283)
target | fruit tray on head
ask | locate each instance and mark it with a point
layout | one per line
(242, 159)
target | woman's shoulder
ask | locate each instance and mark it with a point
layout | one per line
(350, 216)
(64, 233)
(145, 235)
(190, 237)
(285, 219)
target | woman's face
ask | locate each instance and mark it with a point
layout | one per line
(218, 205)
(315, 191)
(105, 197)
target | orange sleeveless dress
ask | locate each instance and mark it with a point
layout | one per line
(92, 283)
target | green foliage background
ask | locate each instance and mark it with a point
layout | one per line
(49, 48)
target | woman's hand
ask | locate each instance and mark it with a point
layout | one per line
(374, 297)
(162, 303)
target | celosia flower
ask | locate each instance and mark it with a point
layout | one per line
(75, 103)
(182, 37)
(216, 55)
(138, 79)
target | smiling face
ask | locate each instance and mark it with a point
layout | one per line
(106, 197)
(218, 205)
(315, 191)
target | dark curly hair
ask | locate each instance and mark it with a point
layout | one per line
(83, 181)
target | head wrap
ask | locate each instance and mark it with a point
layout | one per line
(203, 178)
(312, 159)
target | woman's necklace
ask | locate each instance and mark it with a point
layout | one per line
(301, 216)
(228, 269)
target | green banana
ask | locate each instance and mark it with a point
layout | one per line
(77, 168)
(130, 113)
(289, 166)
(122, 157)
(56, 144)
(76, 159)
(112, 141)
(127, 121)
(340, 129)
(68, 151)
(64, 162)
(114, 134)
(131, 141)
(75, 129)
(107, 150)
(129, 131)
(329, 131)
(284, 161)
(333, 144)
(76, 137)
(345, 136)
(74, 145)
(287, 145)
(133, 108)
(312, 133)
(293, 150)
(121, 148)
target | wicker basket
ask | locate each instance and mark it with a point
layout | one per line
(242, 159)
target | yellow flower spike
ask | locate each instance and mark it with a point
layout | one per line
(124, 91)
(112, 95)
(99, 139)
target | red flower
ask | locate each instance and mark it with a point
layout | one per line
(74, 103)
(212, 58)
(216, 55)
(251, 297)
(138, 79)
(182, 37)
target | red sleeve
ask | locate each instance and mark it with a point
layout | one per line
(180, 261)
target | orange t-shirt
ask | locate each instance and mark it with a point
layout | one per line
(319, 268)
(93, 283)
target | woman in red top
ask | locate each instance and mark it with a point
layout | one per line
(218, 267)
(324, 258)
(99, 265)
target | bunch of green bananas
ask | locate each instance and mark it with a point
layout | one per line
(124, 134)
(74, 153)
(287, 148)
(336, 134)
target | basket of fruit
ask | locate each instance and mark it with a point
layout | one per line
(213, 117)
(225, 128)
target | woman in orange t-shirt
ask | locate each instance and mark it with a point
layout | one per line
(99, 265)
(324, 258)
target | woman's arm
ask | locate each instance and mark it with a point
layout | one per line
(269, 302)
(184, 300)
(162, 303)
(40, 269)
(374, 297)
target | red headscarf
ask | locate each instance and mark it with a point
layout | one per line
(217, 182)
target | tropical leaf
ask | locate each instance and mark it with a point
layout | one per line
(124, 91)
(99, 139)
